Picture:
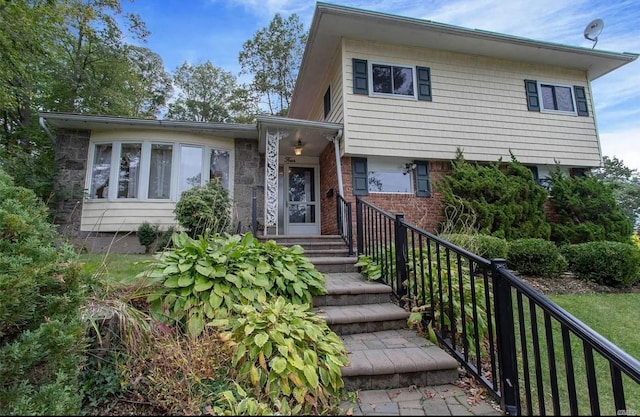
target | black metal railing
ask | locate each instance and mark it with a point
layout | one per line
(532, 355)
(345, 223)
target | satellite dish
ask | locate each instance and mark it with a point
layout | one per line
(592, 31)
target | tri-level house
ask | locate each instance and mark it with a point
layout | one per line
(381, 105)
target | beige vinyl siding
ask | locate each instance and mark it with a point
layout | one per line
(479, 105)
(126, 216)
(334, 79)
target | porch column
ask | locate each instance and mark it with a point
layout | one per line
(271, 179)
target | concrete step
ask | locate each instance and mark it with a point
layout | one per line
(325, 252)
(350, 319)
(348, 288)
(395, 358)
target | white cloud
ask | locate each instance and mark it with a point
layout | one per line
(623, 144)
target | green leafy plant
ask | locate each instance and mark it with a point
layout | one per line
(537, 257)
(198, 280)
(205, 209)
(489, 247)
(152, 238)
(368, 268)
(285, 352)
(614, 264)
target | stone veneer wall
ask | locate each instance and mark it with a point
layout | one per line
(249, 174)
(71, 153)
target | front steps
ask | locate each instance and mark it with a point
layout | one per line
(383, 353)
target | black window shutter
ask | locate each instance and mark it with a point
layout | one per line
(424, 83)
(533, 102)
(423, 185)
(360, 78)
(581, 101)
(360, 176)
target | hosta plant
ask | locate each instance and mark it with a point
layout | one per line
(286, 353)
(199, 280)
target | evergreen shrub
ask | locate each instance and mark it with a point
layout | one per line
(536, 257)
(614, 264)
(205, 209)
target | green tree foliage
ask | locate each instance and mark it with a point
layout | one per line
(586, 210)
(209, 94)
(41, 335)
(504, 199)
(273, 56)
(68, 55)
(626, 185)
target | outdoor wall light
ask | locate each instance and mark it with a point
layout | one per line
(298, 149)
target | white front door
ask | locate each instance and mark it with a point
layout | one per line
(301, 195)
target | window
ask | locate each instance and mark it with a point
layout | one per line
(389, 176)
(389, 79)
(147, 170)
(549, 97)
(101, 171)
(129, 175)
(160, 171)
(327, 102)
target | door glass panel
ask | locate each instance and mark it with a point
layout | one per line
(301, 189)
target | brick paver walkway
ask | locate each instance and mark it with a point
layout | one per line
(438, 400)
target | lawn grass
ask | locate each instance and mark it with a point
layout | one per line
(121, 268)
(608, 315)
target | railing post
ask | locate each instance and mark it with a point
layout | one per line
(401, 260)
(254, 212)
(359, 226)
(505, 338)
(349, 228)
(339, 216)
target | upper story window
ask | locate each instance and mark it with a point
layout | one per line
(154, 171)
(327, 102)
(557, 98)
(391, 80)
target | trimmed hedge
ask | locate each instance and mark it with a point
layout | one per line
(536, 257)
(489, 247)
(609, 263)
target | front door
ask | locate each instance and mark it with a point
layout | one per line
(302, 216)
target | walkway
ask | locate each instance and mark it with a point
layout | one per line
(438, 400)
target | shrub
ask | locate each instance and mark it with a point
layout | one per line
(286, 353)
(203, 279)
(536, 257)
(614, 264)
(204, 209)
(147, 235)
(41, 289)
(503, 200)
(586, 211)
(152, 238)
(489, 247)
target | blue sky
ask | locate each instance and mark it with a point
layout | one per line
(214, 30)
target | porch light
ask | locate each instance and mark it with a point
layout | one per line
(298, 149)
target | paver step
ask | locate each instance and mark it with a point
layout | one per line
(395, 358)
(348, 288)
(349, 319)
(332, 264)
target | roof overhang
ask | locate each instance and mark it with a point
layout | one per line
(96, 122)
(331, 23)
(313, 135)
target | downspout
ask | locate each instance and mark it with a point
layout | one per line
(336, 145)
(44, 126)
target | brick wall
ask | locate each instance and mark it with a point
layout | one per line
(424, 212)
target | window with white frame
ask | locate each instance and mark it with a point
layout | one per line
(557, 98)
(392, 79)
(154, 171)
(389, 176)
